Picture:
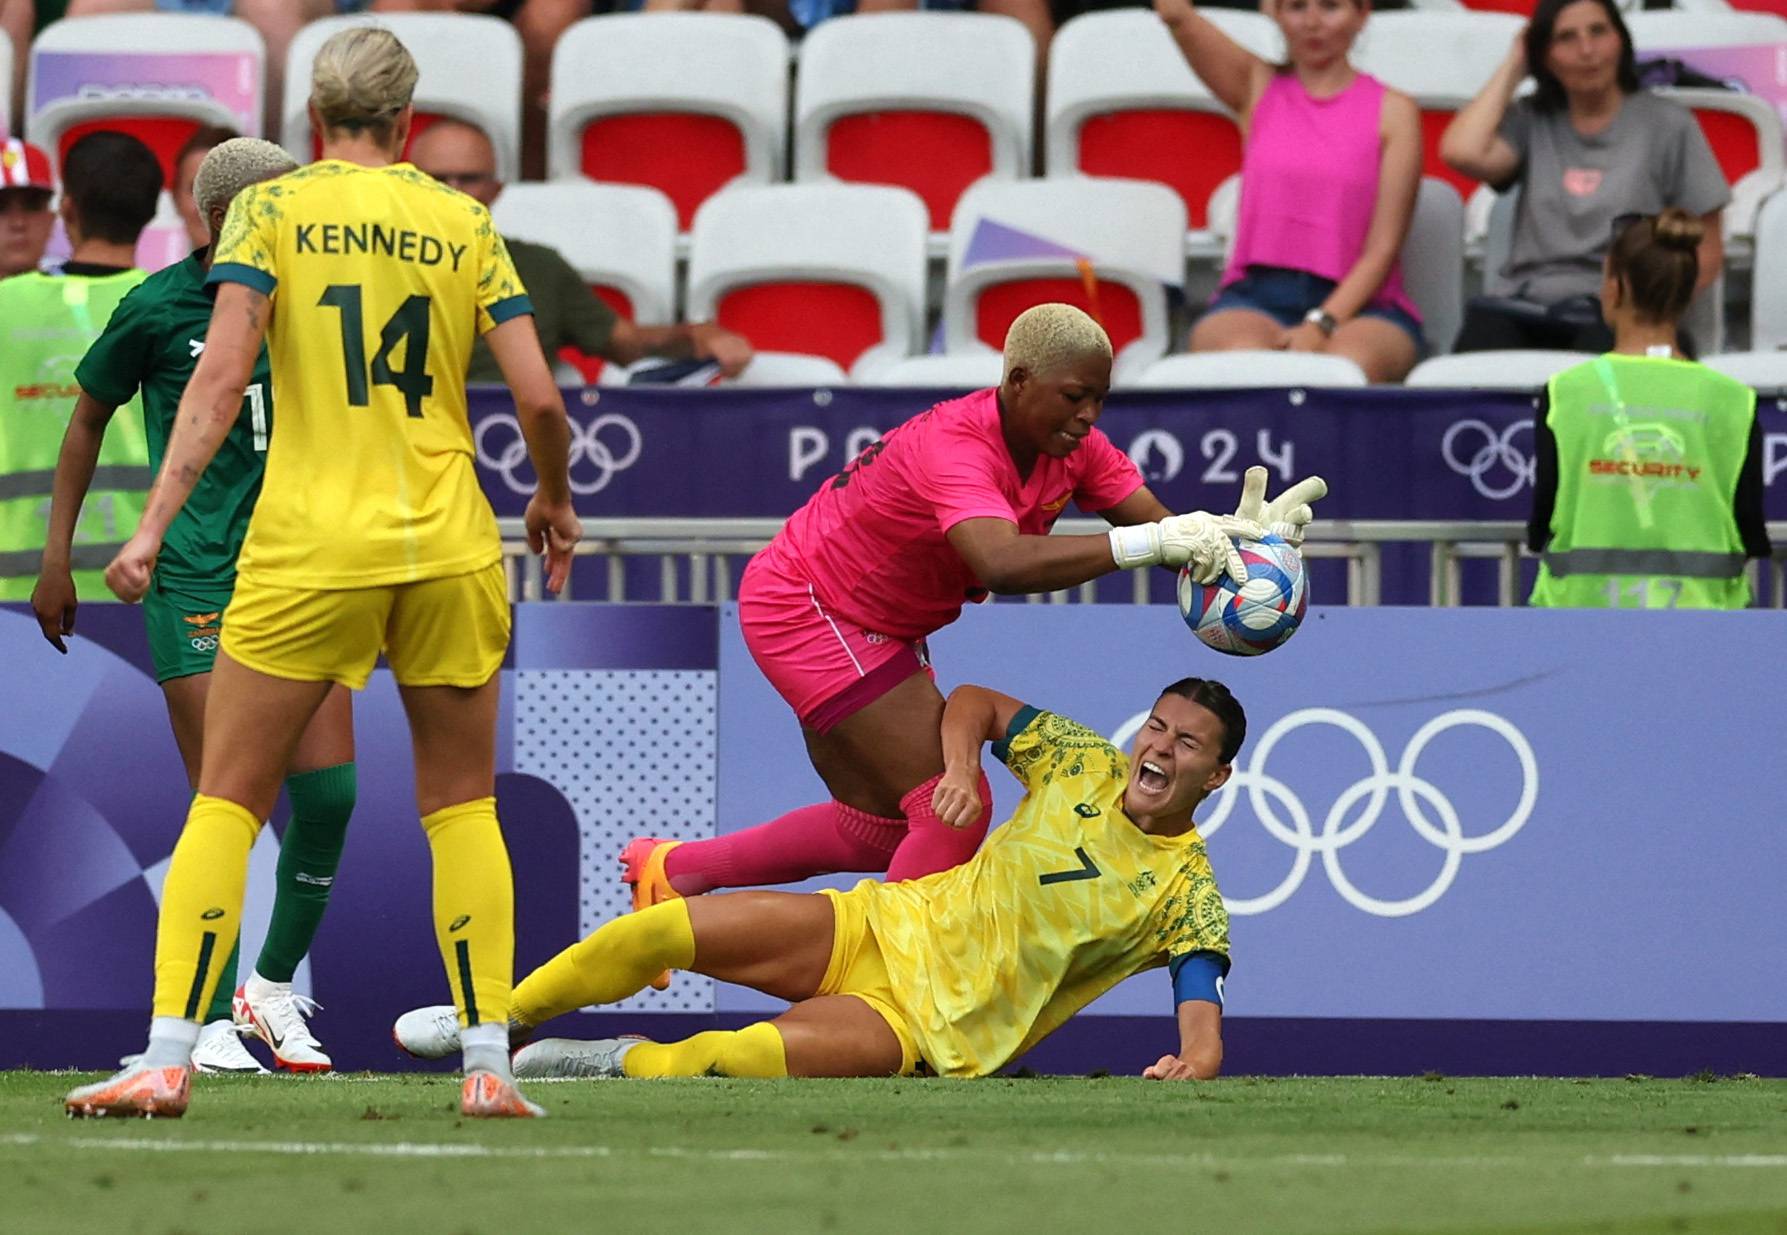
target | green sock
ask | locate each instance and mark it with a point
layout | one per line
(221, 1009)
(321, 801)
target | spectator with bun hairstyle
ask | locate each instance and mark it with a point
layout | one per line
(1649, 486)
(1587, 146)
(1329, 175)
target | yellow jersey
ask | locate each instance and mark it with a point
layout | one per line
(1061, 903)
(380, 278)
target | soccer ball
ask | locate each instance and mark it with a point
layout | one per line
(1258, 615)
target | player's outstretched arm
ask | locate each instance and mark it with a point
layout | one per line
(1200, 1045)
(53, 599)
(552, 525)
(208, 408)
(972, 717)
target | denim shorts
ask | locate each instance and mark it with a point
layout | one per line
(1287, 296)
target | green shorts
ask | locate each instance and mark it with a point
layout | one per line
(184, 622)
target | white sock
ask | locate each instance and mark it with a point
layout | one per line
(171, 1039)
(486, 1049)
(260, 986)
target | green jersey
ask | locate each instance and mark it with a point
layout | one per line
(153, 342)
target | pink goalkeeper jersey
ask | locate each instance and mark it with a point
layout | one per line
(871, 541)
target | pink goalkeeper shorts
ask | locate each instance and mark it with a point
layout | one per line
(826, 666)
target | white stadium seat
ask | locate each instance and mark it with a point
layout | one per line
(469, 69)
(1766, 371)
(931, 102)
(834, 270)
(1745, 135)
(6, 58)
(1122, 102)
(162, 113)
(1244, 368)
(688, 103)
(1655, 31)
(970, 371)
(1020, 243)
(1768, 303)
(1433, 262)
(788, 369)
(1509, 370)
(620, 237)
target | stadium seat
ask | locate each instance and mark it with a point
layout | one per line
(1244, 368)
(788, 369)
(1768, 303)
(1433, 262)
(1766, 371)
(1510, 370)
(971, 371)
(1661, 31)
(5, 84)
(833, 270)
(687, 103)
(1440, 60)
(620, 238)
(1745, 135)
(1151, 118)
(1112, 247)
(112, 72)
(931, 102)
(164, 241)
(470, 70)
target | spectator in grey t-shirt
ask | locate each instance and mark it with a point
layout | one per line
(1587, 147)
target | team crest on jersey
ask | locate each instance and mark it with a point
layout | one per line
(201, 626)
(1085, 810)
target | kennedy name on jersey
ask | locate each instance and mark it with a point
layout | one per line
(401, 243)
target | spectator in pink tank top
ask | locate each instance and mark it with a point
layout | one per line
(1331, 167)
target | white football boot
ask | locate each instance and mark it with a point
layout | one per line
(218, 1052)
(571, 1057)
(428, 1033)
(274, 1013)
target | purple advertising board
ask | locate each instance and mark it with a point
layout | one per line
(1486, 841)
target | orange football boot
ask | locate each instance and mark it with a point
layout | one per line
(642, 867)
(485, 1095)
(135, 1093)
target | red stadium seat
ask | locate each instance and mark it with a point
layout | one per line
(164, 135)
(1115, 307)
(930, 102)
(1127, 144)
(685, 103)
(829, 270)
(1745, 135)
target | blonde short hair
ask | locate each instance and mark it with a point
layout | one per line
(363, 76)
(1046, 336)
(232, 166)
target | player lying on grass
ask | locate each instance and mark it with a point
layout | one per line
(953, 504)
(1099, 874)
(153, 342)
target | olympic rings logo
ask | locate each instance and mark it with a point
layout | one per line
(587, 447)
(1496, 450)
(1415, 795)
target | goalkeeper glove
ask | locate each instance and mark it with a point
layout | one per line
(1204, 543)
(1285, 516)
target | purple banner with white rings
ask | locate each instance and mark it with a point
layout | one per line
(1466, 815)
(1386, 453)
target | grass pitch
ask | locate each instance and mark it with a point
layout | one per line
(1099, 1157)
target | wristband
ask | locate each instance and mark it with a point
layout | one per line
(1138, 545)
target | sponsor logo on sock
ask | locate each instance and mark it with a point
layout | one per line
(211, 915)
(321, 881)
(458, 922)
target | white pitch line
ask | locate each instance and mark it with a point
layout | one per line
(425, 1149)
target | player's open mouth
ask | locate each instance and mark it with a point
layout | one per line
(1149, 778)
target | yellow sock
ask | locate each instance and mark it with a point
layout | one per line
(474, 907)
(201, 904)
(754, 1051)
(614, 961)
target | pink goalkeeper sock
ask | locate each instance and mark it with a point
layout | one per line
(813, 840)
(932, 845)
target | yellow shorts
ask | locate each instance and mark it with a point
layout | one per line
(450, 631)
(856, 968)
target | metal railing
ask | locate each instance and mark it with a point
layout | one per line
(712, 552)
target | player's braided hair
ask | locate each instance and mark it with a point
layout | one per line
(1046, 336)
(363, 76)
(1211, 694)
(232, 166)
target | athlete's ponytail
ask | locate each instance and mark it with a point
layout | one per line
(362, 78)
